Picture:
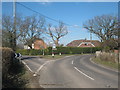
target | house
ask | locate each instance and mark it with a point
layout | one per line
(84, 43)
(38, 44)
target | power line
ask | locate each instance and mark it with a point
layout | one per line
(42, 14)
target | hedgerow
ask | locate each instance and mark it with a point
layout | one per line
(12, 70)
(63, 50)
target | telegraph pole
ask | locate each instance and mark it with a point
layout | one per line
(14, 27)
(90, 36)
(91, 40)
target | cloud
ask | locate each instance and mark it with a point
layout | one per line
(44, 3)
(76, 26)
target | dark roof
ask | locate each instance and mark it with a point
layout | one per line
(76, 43)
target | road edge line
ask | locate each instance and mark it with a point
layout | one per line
(84, 74)
(27, 66)
(72, 61)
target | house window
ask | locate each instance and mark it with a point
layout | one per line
(86, 44)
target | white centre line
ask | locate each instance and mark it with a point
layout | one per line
(42, 66)
(84, 74)
(72, 62)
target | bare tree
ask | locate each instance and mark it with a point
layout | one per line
(104, 26)
(32, 28)
(27, 29)
(6, 31)
(9, 35)
(56, 32)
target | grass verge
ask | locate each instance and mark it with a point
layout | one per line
(50, 57)
(32, 82)
(108, 64)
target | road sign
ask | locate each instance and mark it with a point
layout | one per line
(54, 47)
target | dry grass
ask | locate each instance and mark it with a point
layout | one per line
(108, 64)
(112, 57)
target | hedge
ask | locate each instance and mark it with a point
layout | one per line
(63, 50)
(7, 55)
(12, 70)
(32, 51)
(76, 50)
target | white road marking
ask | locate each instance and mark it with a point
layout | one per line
(27, 66)
(40, 68)
(69, 56)
(46, 63)
(72, 62)
(35, 74)
(84, 74)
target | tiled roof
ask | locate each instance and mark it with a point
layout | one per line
(76, 43)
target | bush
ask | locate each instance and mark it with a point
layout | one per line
(106, 49)
(77, 50)
(12, 70)
(110, 44)
(7, 55)
(23, 51)
(105, 56)
(63, 50)
(31, 51)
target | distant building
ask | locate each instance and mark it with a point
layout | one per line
(84, 43)
(26, 47)
(38, 44)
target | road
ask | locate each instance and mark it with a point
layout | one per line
(72, 72)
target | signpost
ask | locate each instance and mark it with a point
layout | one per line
(53, 48)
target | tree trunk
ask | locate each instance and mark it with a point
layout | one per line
(56, 43)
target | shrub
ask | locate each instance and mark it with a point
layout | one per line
(12, 70)
(106, 49)
(23, 51)
(32, 51)
(7, 55)
(63, 50)
(105, 56)
(77, 50)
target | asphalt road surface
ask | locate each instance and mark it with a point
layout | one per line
(72, 72)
